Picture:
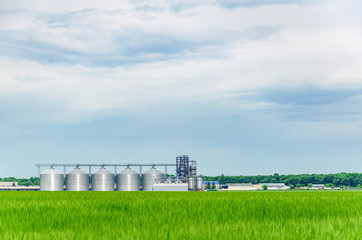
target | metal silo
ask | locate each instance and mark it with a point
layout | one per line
(193, 170)
(77, 180)
(149, 177)
(103, 180)
(192, 183)
(128, 180)
(199, 184)
(51, 180)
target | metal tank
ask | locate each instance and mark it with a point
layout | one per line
(192, 183)
(128, 180)
(149, 177)
(199, 184)
(103, 180)
(193, 170)
(77, 180)
(51, 180)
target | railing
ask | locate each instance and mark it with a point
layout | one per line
(115, 165)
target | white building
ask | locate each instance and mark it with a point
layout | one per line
(239, 186)
(8, 184)
(317, 186)
(272, 186)
(172, 187)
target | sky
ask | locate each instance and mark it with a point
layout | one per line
(245, 87)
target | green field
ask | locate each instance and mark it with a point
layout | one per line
(188, 215)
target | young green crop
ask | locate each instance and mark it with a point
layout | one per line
(175, 215)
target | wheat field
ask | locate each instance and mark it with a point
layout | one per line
(181, 215)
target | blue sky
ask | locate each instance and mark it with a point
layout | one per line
(244, 87)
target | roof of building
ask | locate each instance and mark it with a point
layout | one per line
(273, 184)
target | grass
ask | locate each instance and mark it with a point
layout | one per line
(187, 215)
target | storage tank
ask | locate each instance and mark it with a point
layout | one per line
(149, 177)
(77, 180)
(103, 180)
(199, 184)
(51, 180)
(193, 170)
(128, 180)
(192, 183)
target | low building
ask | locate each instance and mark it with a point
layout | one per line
(8, 184)
(171, 187)
(317, 186)
(223, 187)
(239, 186)
(272, 186)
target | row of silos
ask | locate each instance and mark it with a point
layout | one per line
(102, 180)
(195, 184)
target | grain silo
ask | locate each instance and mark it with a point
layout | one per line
(77, 180)
(149, 177)
(128, 180)
(192, 183)
(103, 180)
(193, 171)
(199, 184)
(51, 180)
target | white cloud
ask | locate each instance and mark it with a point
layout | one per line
(224, 54)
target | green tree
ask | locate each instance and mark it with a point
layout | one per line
(309, 185)
(28, 183)
(265, 187)
(213, 185)
(222, 179)
(208, 185)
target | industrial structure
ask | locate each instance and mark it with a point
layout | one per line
(185, 178)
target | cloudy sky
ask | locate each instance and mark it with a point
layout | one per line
(243, 86)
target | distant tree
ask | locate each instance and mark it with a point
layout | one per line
(222, 179)
(213, 185)
(28, 183)
(208, 185)
(309, 185)
(265, 187)
(292, 187)
(276, 177)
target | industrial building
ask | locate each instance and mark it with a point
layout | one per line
(126, 180)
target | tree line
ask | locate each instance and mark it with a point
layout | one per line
(298, 180)
(33, 181)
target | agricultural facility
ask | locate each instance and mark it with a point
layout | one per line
(127, 180)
